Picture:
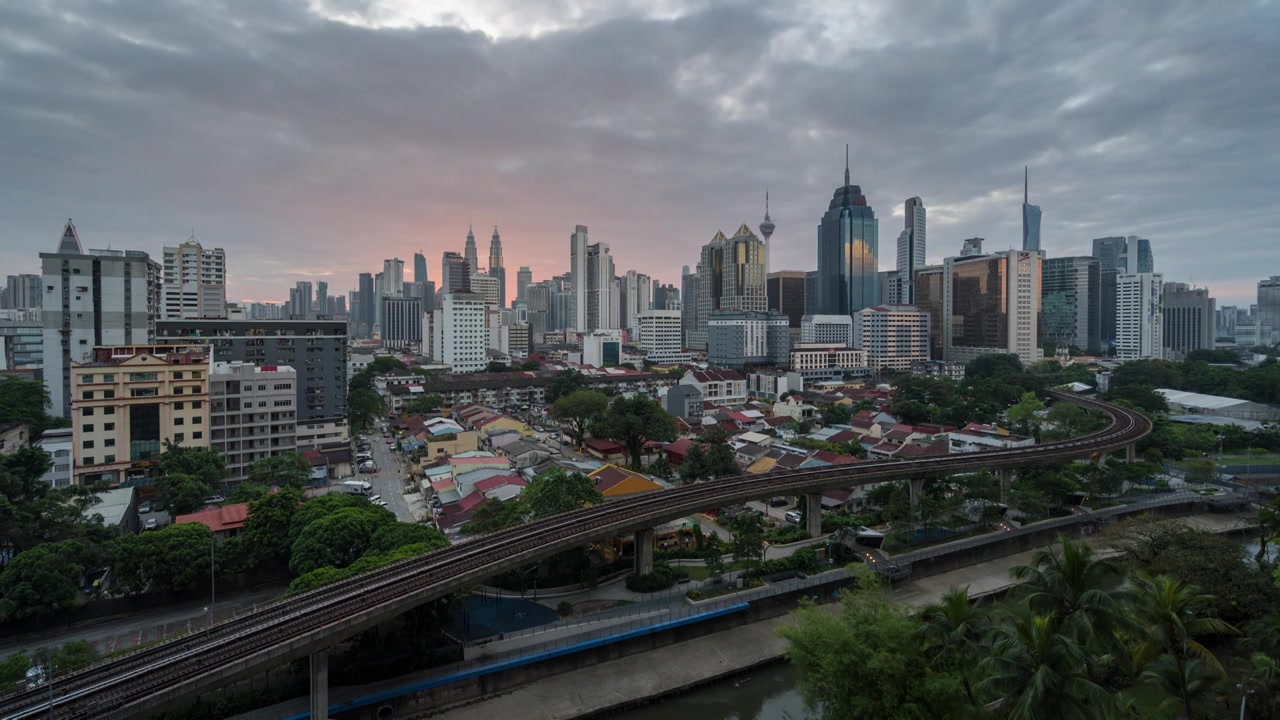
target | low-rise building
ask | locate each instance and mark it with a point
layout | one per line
(719, 387)
(773, 385)
(1189, 403)
(613, 481)
(975, 437)
(938, 369)
(13, 437)
(58, 443)
(828, 362)
(737, 339)
(226, 521)
(796, 409)
(684, 401)
(118, 509)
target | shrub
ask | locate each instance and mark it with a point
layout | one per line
(788, 534)
(694, 594)
(564, 609)
(662, 577)
(805, 560)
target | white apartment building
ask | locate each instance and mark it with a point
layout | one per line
(252, 414)
(487, 287)
(892, 336)
(826, 357)
(660, 335)
(719, 387)
(195, 282)
(1139, 316)
(460, 338)
(639, 294)
(59, 444)
(827, 330)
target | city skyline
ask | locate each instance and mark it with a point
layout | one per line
(295, 194)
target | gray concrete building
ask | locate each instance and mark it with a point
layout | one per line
(316, 349)
(252, 414)
(1188, 320)
(738, 339)
(402, 323)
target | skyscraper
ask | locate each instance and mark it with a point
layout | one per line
(601, 300)
(1071, 302)
(1114, 255)
(1188, 320)
(689, 310)
(496, 269)
(303, 302)
(195, 281)
(639, 298)
(103, 297)
(848, 238)
(322, 299)
(731, 276)
(911, 249)
(419, 267)
(1269, 310)
(24, 291)
(393, 277)
(785, 289)
(365, 316)
(1139, 305)
(454, 273)
(991, 304)
(1030, 216)
(469, 252)
(524, 278)
(578, 276)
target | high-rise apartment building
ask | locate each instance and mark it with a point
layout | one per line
(324, 307)
(1139, 316)
(785, 290)
(689, 293)
(578, 276)
(1268, 315)
(103, 297)
(524, 278)
(393, 277)
(601, 292)
(639, 299)
(731, 277)
(911, 249)
(487, 287)
(1114, 257)
(367, 315)
(455, 276)
(469, 252)
(665, 297)
(1030, 216)
(195, 281)
(1188, 315)
(1071, 302)
(419, 267)
(128, 400)
(892, 336)
(660, 335)
(848, 242)
(539, 298)
(460, 336)
(23, 292)
(496, 269)
(301, 301)
(992, 305)
(252, 414)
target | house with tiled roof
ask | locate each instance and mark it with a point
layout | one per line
(718, 386)
(975, 437)
(225, 522)
(613, 481)
(605, 449)
(676, 452)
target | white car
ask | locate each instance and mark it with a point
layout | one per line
(380, 503)
(374, 498)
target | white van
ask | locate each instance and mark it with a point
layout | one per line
(356, 487)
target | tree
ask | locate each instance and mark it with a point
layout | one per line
(660, 468)
(694, 467)
(633, 422)
(955, 630)
(1142, 397)
(27, 401)
(870, 662)
(530, 365)
(182, 493)
(748, 538)
(713, 556)
(287, 470)
(32, 512)
(1023, 415)
(42, 580)
(174, 558)
(316, 508)
(993, 366)
(364, 408)
(247, 491)
(494, 515)
(496, 367)
(425, 404)
(1071, 589)
(557, 491)
(336, 540)
(266, 533)
(720, 458)
(579, 408)
(400, 534)
(13, 670)
(836, 414)
(1206, 560)
(566, 383)
(914, 412)
(204, 464)
(1067, 420)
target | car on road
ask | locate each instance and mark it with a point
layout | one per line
(778, 502)
(214, 500)
(144, 508)
(374, 498)
(793, 517)
(380, 503)
(151, 524)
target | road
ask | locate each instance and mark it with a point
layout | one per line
(389, 480)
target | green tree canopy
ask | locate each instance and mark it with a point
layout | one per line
(364, 408)
(174, 558)
(394, 536)
(633, 422)
(27, 401)
(43, 580)
(425, 404)
(204, 464)
(328, 504)
(32, 512)
(566, 383)
(336, 540)
(993, 366)
(287, 470)
(695, 466)
(1023, 415)
(557, 491)
(580, 408)
(748, 538)
(182, 493)
(267, 530)
(494, 515)
(836, 414)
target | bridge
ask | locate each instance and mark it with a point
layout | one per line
(156, 677)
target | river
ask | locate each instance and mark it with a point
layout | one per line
(768, 693)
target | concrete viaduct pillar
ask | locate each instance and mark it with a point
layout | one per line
(916, 486)
(320, 685)
(1130, 453)
(813, 514)
(1006, 479)
(644, 551)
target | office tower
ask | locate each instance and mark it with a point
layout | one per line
(524, 278)
(827, 330)
(1114, 254)
(737, 338)
(24, 292)
(323, 308)
(366, 316)
(689, 310)
(1188, 320)
(393, 277)
(419, 267)
(469, 252)
(339, 305)
(454, 273)
(318, 348)
(931, 300)
(972, 246)
(195, 281)
(890, 286)
(460, 336)
(129, 401)
(23, 336)
(1224, 322)
(660, 335)
(402, 323)
(892, 336)
(731, 276)
(601, 302)
(1030, 216)
(1071, 303)
(785, 289)
(252, 414)
(1139, 316)
(496, 269)
(578, 276)
(1268, 315)
(539, 297)
(4, 297)
(812, 301)
(991, 305)
(104, 297)
(848, 238)
(911, 249)
(487, 287)
(639, 299)
(666, 297)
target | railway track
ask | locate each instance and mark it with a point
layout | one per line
(132, 685)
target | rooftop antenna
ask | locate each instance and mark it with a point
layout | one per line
(1025, 184)
(846, 164)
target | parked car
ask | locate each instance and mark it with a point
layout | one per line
(151, 524)
(374, 498)
(380, 503)
(793, 517)
(144, 508)
(777, 502)
(214, 500)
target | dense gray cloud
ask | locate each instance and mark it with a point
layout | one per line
(313, 139)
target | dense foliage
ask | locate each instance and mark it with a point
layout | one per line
(1260, 383)
(633, 422)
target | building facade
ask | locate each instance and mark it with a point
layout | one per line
(911, 250)
(1139, 316)
(848, 247)
(578, 278)
(1071, 303)
(1268, 315)
(827, 330)
(660, 337)
(892, 336)
(824, 362)
(737, 339)
(402, 323)
(460, 336)
(731, 277)
(602, 348)
(992, 305)
(1030, 217)
(785, 289)
(252, 414)
(1188, 315)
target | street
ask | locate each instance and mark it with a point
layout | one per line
(388, 481)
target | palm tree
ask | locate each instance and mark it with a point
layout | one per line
(1039, 670)
(1168, 610)
(1069, 582)
(956, 629)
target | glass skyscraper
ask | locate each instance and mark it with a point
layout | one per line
(1030, 218)
(848, 243)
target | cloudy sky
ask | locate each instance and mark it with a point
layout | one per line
(313, 139)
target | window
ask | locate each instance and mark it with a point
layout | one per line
(86, 445)
(197, 435)
(142, 377)
(86, 412)
(195, 374)
(86, 395)
(109, 377)
(142, 392)
(108, 427)
(262, 388)
(86, 378)
(179, 405)
(108, 394)
(88, 428)
(88, 459)
(177, 375)
(109, 442)
(177, 391)
(179, 438)
(197, 420)
(108, 411)
(179, 421)
(109, 459)
(197, 404)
